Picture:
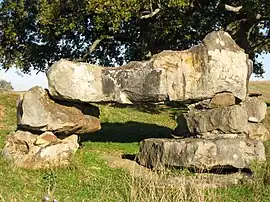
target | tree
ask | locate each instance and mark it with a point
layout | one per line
(5, 86)
(35, 33)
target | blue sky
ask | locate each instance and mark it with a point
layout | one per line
(25, 82)
(266, 64)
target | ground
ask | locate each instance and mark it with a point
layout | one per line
(99, 174)
(261, 87)
(2, 112)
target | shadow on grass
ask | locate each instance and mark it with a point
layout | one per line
(127, 132)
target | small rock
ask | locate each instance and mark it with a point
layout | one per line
(223, 99)
(256, 107)
(45, 139)
(253, 120)
(258, 131)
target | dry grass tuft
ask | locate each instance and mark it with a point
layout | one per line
(142, 190)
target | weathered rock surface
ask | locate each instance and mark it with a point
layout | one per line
(223, 99)
(256, 108)
(226, 120)
(27, 150)
(37, 112)
(220, 99)
(224, 116)
(216, 65)
(215, 134)
(258, 131)
(200, 153)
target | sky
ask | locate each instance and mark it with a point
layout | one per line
(25, 82)
(266, 65)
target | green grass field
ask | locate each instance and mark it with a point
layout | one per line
(91, 178)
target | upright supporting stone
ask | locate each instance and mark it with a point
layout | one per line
(37, 112)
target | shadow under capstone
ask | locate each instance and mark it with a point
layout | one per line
(151, 108)
(127, 132)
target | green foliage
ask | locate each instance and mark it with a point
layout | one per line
(36, 33)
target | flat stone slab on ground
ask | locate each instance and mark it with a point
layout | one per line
(200, 153)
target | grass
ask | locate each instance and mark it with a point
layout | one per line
(90, 178)
(260, 87)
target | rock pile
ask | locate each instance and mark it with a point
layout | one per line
(213, 134)
(47, 130)
(28, 150)
(219, 131)
(215, 118)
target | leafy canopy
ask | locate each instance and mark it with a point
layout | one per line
(36, 33)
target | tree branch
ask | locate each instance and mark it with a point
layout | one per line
(95, 44)
(233, 8)
(259, 45)
(98, 41)
(117, 37)
(152, 14)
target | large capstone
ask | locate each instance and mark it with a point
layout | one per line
(218, 64)
(200, 153)
(37, 112)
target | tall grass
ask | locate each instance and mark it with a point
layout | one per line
(155, 191)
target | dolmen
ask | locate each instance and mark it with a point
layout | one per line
(222, 127)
